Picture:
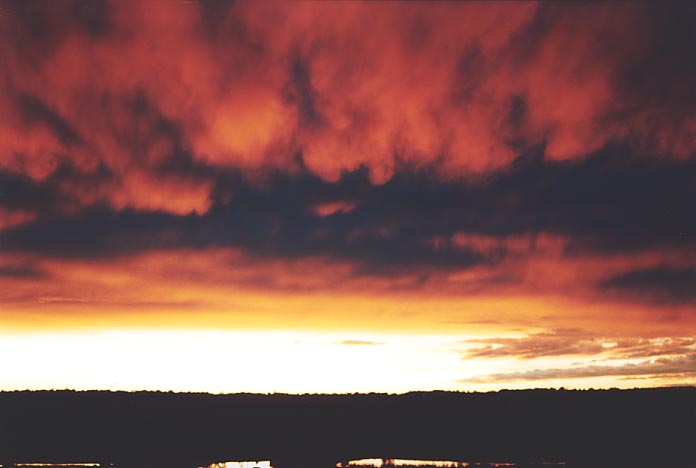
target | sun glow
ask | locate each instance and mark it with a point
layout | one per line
(228, 361)
(220, 361)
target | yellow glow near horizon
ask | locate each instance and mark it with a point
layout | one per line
(201, 290)
(218, 361)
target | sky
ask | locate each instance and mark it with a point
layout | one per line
(347, 197)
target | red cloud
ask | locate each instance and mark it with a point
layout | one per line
(454, 86)
(11, 218)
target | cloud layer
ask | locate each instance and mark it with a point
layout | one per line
(522, 153)
(143, 93)
(667, 358)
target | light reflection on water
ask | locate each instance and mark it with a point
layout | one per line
(379, 462)
(361, 463)
(402, 462)
(69, 465)
(64, 465)
(241, 464)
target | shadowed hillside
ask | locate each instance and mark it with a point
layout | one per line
(593, 429)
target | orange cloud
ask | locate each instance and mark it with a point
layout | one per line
(458, 87)
(11, 218)
(228, 288)
(327, 209)
(438, 111)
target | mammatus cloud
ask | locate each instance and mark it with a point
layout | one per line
(536, 229)
(450, 151)
(153, 98)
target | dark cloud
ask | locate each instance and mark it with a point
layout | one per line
(275, 220)
(94, 16)
(99, 232)
(611, 201)
(301, 92)
(378, 90)
(19, 191)
(144, 130)
(214, 13)
(52, 197)
(606, 203)
(662, 283)
(36, 111)
(670, 40)
(213, 123)
(39, 28)
(26, 270)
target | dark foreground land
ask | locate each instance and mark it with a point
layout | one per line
(587, 429)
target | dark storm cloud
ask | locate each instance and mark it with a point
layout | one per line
(48, 197)
(36, 111)
(648, 100)
(606, 203)
(19, 191)
(659, 76)
(277, 222)
(611, 201)
(217, 124)
(38, 28)
(664, 284)
(377, 90)
(214, 13)
(147, 127)
(94, 16)
(23, 270)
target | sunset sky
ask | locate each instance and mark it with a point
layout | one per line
(341, 197)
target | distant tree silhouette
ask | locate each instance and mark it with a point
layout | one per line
(587, 429)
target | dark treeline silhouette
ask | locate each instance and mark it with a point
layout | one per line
(588, 429)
